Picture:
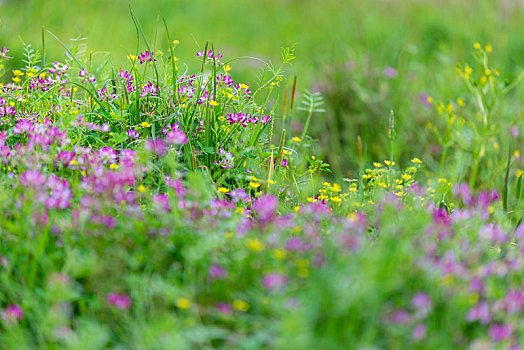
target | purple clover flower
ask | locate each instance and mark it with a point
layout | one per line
(12, 313)
(120, 301)
(133, 134)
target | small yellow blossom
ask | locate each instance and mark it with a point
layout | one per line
(240, 305)
(377, 165)
(223, 190)
(488, 48)
(279, 253)
(227, 68)
(416, 161)
(145, 124)
(295, 139)
(131, 57)
(460, 102)
(213, 103)
(254, 184)
(141, 188)
(476, 46)
(113, 166)
(183, 303)
(255, 245)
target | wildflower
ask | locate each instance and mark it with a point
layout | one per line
(133, 134)
(217, 272)
(183, 303)
(416, 161)
(419, 332)
(480, 313)
(296, 139)
(265, 207)
(422, 303)
(120, 301)
(227, 68)
(476, 46)
(213, 103)
(499, 332)
(224, 308)
(390, 72)
(488, 48)
(240, 305)
(145, 124)
(141, 188)
(255, 245)
(223, 190)
(12, 313)
(274, 281)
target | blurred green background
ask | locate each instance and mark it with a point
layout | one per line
(343, 48)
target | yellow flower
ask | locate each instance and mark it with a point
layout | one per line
(131, 57)
(406, 177)
(176, 42)
(254, 184)
(416, 161)
(488, 48)
(145, 124)
(183, 303)
(279, 253)
(113, 166)
(377, 165)
(223, 190)
(141, 188)
(476, 46)
(460, 102)
(18, 73)
(388, 163)
(295, 139)
(255, 245)
(213, 103)
(227, 68)
(240, 305)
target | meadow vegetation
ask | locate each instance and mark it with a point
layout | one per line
(361, 189)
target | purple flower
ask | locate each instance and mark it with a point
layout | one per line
(12, 313)
(499, 332)
(479, 313)
(224, 308)
(265, 207)
(176, 137)
(422, 302)
(423, 98)
(217, 272)
(239, 194)
(390, 72)
(274, 281)
(120, 301)
(133, 134)
(419, 332)
(514, 130)
(146, 57)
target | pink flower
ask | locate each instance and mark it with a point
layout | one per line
(217, 272)
(499, 332)
(120, 301)
(274, 281)
(12, 313)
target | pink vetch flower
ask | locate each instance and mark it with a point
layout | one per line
(265, 207)
(274, 281)
(390, 72)
(422, 302)
(133, 134)
(224, 308)
(217, 272)
(419, 332)
(12, 313)
(120, 301)
(499, 332)
(479, 313)
(176, 137)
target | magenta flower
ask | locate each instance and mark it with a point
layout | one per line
(480, 313)
(274, 281)
(217, 272)
(390, 72)
(422, 302)
(224, 308)
(12, 313)
(499, 332)
(419, 332)
(120, 301)
(265, 207)
(133, 134)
